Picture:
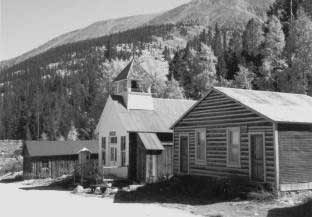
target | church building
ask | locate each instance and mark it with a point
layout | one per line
(135, 139)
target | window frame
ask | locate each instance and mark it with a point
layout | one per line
(228, 163)
(113, 145)
(123, 150)
(104, 149)
(110, 140)
(200, 161)
(113, 156)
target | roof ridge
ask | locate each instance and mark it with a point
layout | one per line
(175, 99)
(263, 91)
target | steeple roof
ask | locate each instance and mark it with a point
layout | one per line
(132, 70)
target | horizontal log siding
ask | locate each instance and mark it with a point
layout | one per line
(295, 157)
(216, 113)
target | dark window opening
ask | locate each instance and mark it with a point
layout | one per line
(165, 137)
(45, 164)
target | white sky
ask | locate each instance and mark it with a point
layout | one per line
(26, 24)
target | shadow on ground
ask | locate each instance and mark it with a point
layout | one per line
(46, 188)
(57, 185)
(12, 180)
(188, 190)
(302, 210)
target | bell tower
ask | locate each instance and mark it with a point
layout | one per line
(133, 83)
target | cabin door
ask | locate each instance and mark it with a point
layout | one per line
(257, 157)
(184, 154)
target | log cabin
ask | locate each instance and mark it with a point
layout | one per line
(263, 136)
(135, 141)
(52, 159)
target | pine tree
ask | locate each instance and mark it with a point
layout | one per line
(253, 38)
(295, 79)
(206, 72)
(219, 51)
(167, 54)
(217, 42)
(273, 62)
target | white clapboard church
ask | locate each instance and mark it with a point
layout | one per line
(135, 139)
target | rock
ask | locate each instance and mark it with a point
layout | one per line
(114, 191)
(78, 189)
(110, 191)
(134, 187)
(127, 189)
(98, 190)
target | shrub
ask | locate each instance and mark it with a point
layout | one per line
(189, 189)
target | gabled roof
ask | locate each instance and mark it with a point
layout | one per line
(275, 106)
(59, 148)
(133, 68)
(165, 112)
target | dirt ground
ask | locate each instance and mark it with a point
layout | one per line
(16, 202)
(27, 198)
(288, 206)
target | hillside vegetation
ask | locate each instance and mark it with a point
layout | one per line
(202, 12)
(62, 91)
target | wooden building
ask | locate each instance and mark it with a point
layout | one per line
(260, 135)
(134, 137)
(43, 159)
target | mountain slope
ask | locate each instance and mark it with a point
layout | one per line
(231, 13)
(209, 12)
(94, 30)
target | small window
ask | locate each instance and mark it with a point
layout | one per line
(233, 147)
(104, 150)
(134, 84)
(123, 151)
(112, 133)
(45, 164)
(113, 139)
(200, 141)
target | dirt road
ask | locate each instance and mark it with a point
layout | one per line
(15, 202)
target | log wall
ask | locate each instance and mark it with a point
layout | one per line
(35, 167)
(216, 113)
(295, 150)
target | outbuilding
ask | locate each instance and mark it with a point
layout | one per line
(260, 135)
(44, 159)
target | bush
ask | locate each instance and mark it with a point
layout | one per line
(12, 165)
(260, 196)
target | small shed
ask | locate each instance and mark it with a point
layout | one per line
(43, 159)
(260, 135)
